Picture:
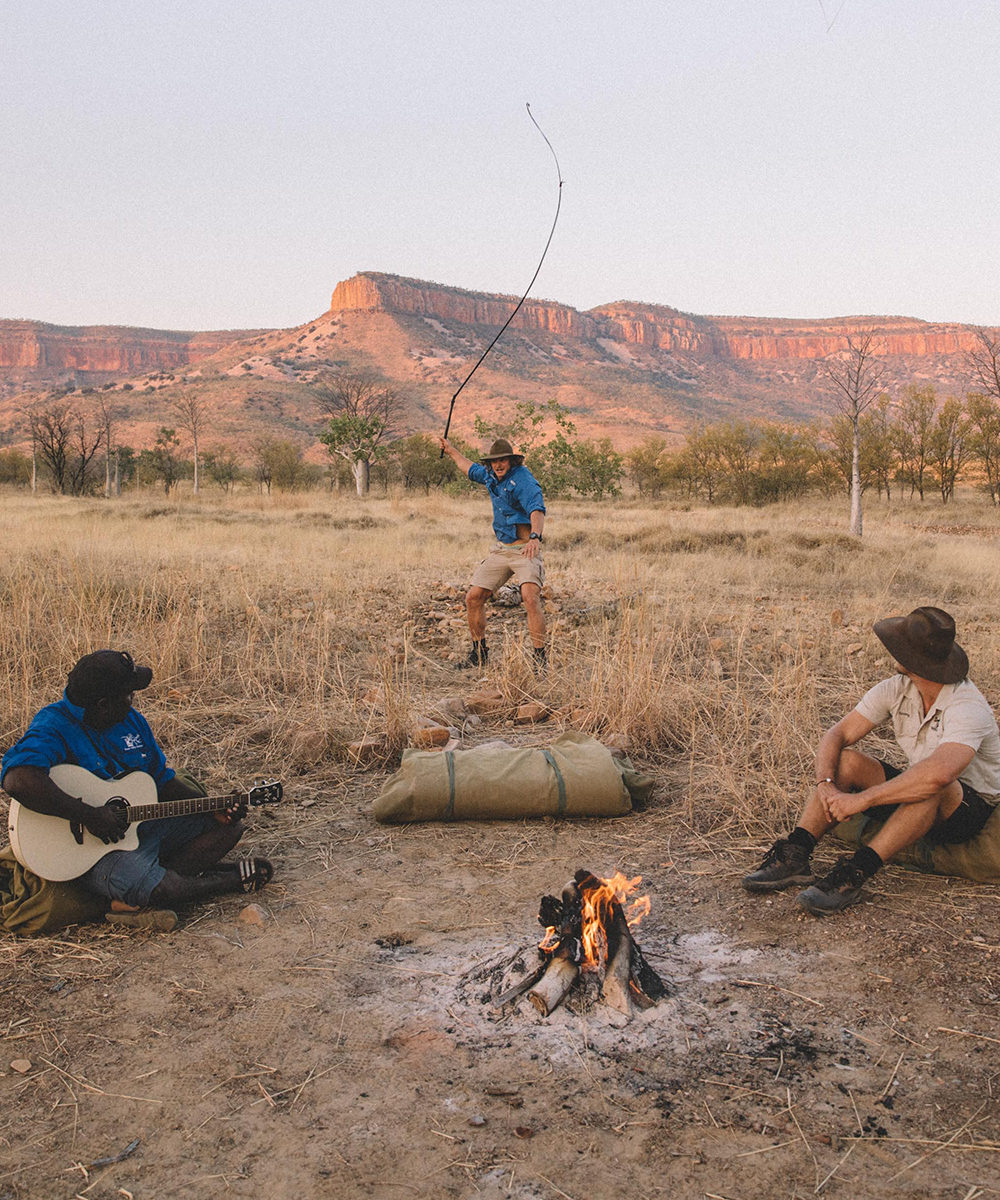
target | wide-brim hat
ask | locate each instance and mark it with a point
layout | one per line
(105, 675)
(501, 448)
(924, 642)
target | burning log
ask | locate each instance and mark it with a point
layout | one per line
(559, 977)
(589, 928)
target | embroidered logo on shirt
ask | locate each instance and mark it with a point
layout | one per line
(132, 741)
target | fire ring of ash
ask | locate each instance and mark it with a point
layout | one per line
(588, 947)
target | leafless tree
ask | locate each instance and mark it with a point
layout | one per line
(857, 380)
(192, 414)
(87, 445)
(61, 439)
(984, 363)
(361, 410)
(52, 430)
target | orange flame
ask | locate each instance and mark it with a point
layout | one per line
(597, 902)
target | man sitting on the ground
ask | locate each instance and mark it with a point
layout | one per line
(946, 729)
(95, 727)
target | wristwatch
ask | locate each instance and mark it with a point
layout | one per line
(534, 537)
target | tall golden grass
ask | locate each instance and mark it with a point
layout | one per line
(718, 642)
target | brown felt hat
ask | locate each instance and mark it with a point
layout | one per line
(924, 642)
(501, 448)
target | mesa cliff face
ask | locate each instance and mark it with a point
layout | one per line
(32, 348)
(371, 292)
(654, 327)
(625, 369)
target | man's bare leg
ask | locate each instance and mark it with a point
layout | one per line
(475, 611)
(531, 597)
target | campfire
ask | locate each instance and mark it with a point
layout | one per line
(588, 931)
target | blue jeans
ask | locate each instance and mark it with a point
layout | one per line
(131, 875)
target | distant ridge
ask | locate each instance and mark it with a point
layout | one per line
(625, 369)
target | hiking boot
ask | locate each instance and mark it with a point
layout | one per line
(834, 891)
(784, 864)
(478, 656)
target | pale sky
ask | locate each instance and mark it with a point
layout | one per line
(207, 164)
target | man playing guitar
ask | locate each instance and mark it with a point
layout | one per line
(94, 726)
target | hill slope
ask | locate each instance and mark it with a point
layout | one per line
(625, 368)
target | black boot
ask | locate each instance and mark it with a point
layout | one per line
(478, 656)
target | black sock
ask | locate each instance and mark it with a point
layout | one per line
(867, 860)
(540, 653)
(802, 837)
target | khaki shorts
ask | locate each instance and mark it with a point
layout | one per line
(505, 560)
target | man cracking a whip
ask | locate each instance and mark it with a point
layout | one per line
(518, 522)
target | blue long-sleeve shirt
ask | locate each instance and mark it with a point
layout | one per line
(515, 498)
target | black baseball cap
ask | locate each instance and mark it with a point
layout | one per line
(105, 675)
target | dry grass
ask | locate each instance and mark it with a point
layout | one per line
(719, 642)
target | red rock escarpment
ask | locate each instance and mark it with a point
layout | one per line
(654, 327)
(34, 347)
(373, 292)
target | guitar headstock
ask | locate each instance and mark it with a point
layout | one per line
(264, 791)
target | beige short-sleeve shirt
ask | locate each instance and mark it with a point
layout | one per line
(960, 714)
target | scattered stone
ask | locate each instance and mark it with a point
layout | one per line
(451, 708)
(478, 1121)
(309, 746)
(21, 1065)
(486, 702)
(837, 618)
(716, 644)
(575, 716)
(430, 736)
(365, 750)
(531, 713)
(617, 743)
(451, 744)
(253, 914)
(854, 648)
(508, 596)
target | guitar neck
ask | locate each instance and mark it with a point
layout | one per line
(182, 808)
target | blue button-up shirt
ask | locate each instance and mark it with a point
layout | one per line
(57, 735)
(515, 498)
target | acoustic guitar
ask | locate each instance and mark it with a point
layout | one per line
(47, 845)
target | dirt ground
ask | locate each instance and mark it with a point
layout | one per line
(344, 1046)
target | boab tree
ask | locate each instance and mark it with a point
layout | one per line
(361, 409)
(857, 381)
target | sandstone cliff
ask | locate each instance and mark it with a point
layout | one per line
(652, 326)
(625, 369)
(31, 350)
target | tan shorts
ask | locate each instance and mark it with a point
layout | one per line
(502, 562)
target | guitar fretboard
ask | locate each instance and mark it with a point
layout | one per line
(182, 808)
